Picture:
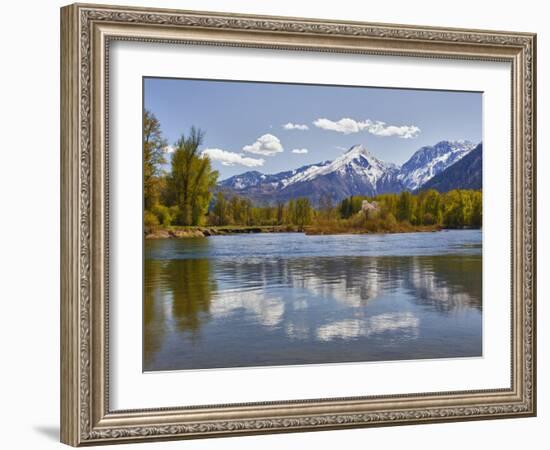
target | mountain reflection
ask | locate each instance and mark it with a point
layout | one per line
(447, 283)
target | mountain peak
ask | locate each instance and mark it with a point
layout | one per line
(429, 160)
(358, 148)
(356, 151)
(359, 153)
(458, 144)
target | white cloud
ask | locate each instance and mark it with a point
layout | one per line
(231, 158)
(300, 151)
(378, 128)
(169, 149)
(295, 126)
(381, 129)
(265, 145)
(345, 125)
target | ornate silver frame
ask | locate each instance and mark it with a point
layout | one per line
(86, 32)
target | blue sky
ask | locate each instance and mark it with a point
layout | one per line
(271, 127)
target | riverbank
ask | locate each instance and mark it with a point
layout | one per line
(374, 228)
(176, 232)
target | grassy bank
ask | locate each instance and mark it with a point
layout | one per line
(340, 227)
(196, 231)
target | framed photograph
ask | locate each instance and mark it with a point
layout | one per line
(276, 224)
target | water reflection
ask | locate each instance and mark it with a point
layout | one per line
(177, 297)
(257, 306)
(380, 323)
(441, 283)
(246, 310)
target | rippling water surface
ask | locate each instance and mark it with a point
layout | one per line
(287, 298)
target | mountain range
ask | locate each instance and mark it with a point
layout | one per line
(359, 172)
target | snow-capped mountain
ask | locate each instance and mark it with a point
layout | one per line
(428, 161)
(249, 179)
(464, 174)
(254, 178)
(356, 172)
(357, 164)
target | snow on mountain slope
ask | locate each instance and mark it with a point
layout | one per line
(467, 173)
(357, 160)
(244, 180)
(277, 180)
(428, 161)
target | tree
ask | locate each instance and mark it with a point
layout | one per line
(280, 213)
(355, 204)
(303, 212)
(345, 209)
(246, 206)
(235, 210)
(405, 207)
(191, 178)
(456, 212)
(291, 212)
(477, 213)
(432, 207)
(220, 210)
(326, 207)
(153, 157)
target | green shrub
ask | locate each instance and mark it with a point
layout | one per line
(150, 221)
(163, 214)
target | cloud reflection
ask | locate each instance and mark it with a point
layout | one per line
(267, 310)
(405, 323)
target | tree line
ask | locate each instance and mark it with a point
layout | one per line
(454, 209)
(236, 210)
(184, 195)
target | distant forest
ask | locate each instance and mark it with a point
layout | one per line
(186, 195)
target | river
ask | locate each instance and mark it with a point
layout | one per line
(286, 298)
